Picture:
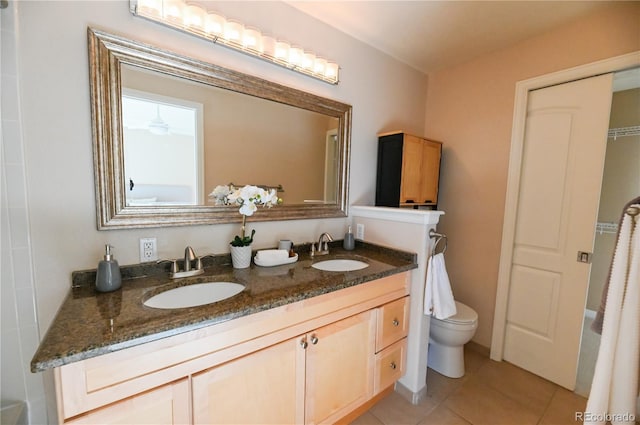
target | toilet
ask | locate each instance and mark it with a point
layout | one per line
(447, 338)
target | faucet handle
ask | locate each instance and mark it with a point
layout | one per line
(174, 265)
(199, 265)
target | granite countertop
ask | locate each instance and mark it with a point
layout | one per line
(90, 323)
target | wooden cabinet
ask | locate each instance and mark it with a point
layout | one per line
(314, 361)
(317, 377)
(259, 388)
(391, 343)
(408, 170)
(338, 372)
(168, 404)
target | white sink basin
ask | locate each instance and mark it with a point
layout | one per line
(340, 265)
(194, 295)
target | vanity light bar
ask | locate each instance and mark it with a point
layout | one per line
(195, 20)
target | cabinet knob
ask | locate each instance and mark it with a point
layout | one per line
(395, 322)
(393, 365)
(303, 343)
(314, 339)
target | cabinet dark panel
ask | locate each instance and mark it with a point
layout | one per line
(408, 170)
(389, 171)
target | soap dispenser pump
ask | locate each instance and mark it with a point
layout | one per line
(108, 276)
(349, 242)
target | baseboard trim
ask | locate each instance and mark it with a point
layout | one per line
(359, 411)
(410, 396)
(478, 348)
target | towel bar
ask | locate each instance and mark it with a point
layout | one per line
(440, 237)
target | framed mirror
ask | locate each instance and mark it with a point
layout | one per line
(168, 129)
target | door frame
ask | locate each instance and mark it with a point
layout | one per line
(614, 64)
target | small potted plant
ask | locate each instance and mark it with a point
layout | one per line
(248, 198)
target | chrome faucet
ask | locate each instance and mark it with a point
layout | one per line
(189, 257)
(323, 245)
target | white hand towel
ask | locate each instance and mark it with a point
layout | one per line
(438, 298)
(615, 379)
(272, 255)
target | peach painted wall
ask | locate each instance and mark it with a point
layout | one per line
(470, 109)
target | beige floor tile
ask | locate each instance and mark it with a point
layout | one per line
(443, 416)
(563, 408)
(473, 361)
(524, 387)
(481, 404)
(396, 410)
(440, 387)
(366, 419)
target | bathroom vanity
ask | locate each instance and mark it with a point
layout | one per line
(298, 345)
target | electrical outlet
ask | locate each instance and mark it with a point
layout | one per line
(148, 250)
(360, 231)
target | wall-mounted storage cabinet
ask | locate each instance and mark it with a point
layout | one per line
(408, 170)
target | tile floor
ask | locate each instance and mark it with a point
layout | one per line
(490, 393)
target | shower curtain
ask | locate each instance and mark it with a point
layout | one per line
(615, 383)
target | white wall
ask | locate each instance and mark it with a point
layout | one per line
(53, 99)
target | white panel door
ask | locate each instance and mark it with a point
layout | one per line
(561, 174)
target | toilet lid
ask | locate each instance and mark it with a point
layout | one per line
(464, 314)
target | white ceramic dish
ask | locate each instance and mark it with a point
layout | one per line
(289, 260)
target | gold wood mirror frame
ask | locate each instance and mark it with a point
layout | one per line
(107, 54)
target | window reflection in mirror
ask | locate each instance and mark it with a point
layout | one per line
(163, 145)
(247, 140)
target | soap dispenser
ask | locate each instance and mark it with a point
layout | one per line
(108, 276)
(349, 242)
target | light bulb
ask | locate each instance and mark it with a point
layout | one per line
(331, 72)
(233, 31)
(319, 66)
(282, 50)
(172, 11)
(252, 39)
(214, 24)
(295, 55)
(194, 17)
(150, 7)
(308, 60)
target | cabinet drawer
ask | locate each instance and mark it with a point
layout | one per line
(393, 323)
(390, 365)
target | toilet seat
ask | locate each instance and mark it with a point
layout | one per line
(465, 315)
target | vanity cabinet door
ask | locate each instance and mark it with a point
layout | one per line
(339, 368)
(168, 404)
(264, 387)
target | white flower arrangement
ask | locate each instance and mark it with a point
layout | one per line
(248, 198)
